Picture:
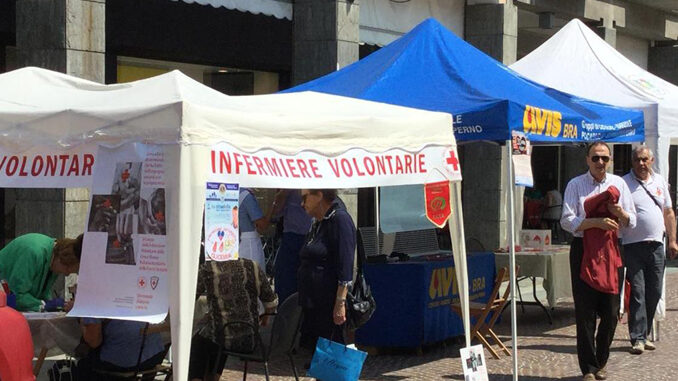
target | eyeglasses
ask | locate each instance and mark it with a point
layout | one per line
(641, 159)
(596, 158)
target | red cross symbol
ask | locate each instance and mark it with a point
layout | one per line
(453, 161)
(142, 282)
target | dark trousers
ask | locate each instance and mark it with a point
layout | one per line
(593, 349)
(287, 265)
(205, 358)
(645, 263)
(87, 365)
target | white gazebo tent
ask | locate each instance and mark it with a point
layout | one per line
(577, 61)
(48, 113)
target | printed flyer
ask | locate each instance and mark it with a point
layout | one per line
(123, 270)
(221, 222)
(473, 363)
(522, 164)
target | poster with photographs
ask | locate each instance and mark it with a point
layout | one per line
(123, 270)
(521, 156)
(221, 222)
(473, 363)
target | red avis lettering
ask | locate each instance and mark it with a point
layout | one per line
(47, 165)
(376, 165)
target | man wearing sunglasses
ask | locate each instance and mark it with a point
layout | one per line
(644, 251)
(593, 349)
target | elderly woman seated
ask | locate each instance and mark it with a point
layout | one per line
(234, 289)
(115, 346)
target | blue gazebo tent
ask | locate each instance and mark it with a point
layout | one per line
(432, 69)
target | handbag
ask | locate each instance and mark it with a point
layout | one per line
(336, 362)
(360, 304)
(63, 370)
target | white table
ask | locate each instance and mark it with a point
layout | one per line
(53, 333)
(552, 265)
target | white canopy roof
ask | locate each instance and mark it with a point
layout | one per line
(577, 61)
(44, 112)
(41, 107)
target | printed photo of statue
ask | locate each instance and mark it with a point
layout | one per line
(119, 252)
(127, 184)
(103, 214)
(152, 213)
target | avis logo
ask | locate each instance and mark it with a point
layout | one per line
(541, 121)
(443, 281)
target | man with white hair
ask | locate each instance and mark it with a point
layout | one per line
(644, 252)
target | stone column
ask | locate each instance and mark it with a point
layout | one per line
(491, 26)
(66, 36)
(325, 37)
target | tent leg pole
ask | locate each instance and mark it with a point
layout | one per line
(512, 257)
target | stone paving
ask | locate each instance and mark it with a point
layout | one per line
(545, 352)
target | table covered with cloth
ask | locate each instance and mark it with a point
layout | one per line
(551, 264)
(413, 300)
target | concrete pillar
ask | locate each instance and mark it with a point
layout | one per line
(325, 37)
(66, 36)
(663, 62)
(607, 34)
(491, 26)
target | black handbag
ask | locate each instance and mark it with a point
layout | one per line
(360, 304)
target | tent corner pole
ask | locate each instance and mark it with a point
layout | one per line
(455, 224)
(512, 257)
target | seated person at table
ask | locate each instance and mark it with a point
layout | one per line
(31, 263)
(234, 289)
(115, 346)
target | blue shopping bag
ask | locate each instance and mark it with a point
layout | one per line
(336, 362)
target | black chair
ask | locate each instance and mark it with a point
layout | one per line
(284, 333)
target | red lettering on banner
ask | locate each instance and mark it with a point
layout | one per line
(335, 167)
(238, 163)
(421, 163)
(357, 169)
(369, 165)
(63, 159)
(293, 169)
(272, 166)
(51, 165)
(224, 161)
(37, 160)
(260, 165)
(22, 171)
(74, 166)
(388, 159)
(346, 166)
(282, 165)
(408, 164)
(249, 165)
(87, 163)
(314, 168)
(13, 163)
(303, 168)
(381, 165)
(214, 164)
(399, 165)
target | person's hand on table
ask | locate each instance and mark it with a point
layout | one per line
(69, 305)
(53, 305)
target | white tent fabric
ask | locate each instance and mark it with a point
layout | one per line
(577, 61)
(280, 9)
(50, 112)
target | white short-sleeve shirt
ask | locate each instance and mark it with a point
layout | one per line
(650, 218)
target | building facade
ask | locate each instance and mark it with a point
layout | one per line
(262, 46)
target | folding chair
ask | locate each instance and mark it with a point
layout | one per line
(487, 314)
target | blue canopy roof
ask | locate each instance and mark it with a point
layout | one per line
(432, 69)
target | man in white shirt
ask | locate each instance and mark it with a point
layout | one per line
(644, 252)
(593, 352)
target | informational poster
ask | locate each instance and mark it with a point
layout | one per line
(123, 270)
(522, 164)
(221, 222)
(473, 363)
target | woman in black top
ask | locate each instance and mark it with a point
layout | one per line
(326, 269)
